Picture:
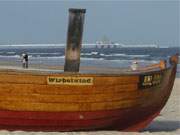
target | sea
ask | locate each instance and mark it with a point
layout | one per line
(110, 57)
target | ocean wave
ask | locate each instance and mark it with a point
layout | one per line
(139, 56)
(88, 54)
(47, 57)
(40, 53)
(10, 52)
(9, 56)
(92, 58)
(113, 55)
(131, 60)
(94, 53)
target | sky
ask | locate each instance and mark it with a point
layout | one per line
(127, 22)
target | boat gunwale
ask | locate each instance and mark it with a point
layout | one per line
(39, 72)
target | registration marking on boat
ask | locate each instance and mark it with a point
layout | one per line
(150, 80)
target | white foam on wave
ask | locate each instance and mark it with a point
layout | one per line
(111, 55)
(94, 53)
(11, 56)
(139, 56)
(92, 59)
(39, 53)
(11, 52)
(140, 61)
(88, 54)
(114, 55)
(49, 58)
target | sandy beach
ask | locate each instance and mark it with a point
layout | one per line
(167, 123)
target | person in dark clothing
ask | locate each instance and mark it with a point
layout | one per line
(25, 60)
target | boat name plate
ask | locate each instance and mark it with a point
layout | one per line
(70, 80)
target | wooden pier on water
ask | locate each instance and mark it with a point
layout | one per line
(75, 101)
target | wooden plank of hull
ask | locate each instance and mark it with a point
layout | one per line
(105, 97)
(42, 79)
(63, 90)
(63, 115)
(55, 107)
(24, 79)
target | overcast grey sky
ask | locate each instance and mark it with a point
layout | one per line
(129, 22)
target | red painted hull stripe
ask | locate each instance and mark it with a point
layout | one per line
(72, 115)
(115, 119)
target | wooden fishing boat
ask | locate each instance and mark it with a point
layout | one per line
(73, 101)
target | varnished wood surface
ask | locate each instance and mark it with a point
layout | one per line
(26, 93)
(42, 79)
(32, 93)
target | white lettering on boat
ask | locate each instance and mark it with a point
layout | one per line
(150, 80)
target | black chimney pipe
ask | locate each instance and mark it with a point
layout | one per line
(74, 40)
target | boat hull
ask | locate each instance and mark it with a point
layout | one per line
(44, 102)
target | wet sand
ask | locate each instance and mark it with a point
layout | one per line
(167, 123)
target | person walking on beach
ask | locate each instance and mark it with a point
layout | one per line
(134, 65)
(25, 60)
